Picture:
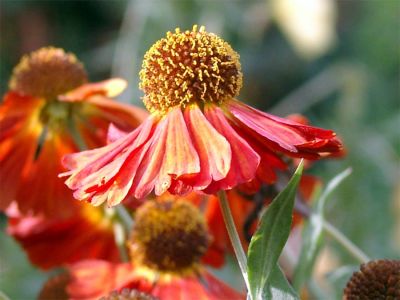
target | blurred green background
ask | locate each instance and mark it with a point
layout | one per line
(337, 62)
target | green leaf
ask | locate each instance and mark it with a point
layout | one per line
(331, 186)
(278, 287)
(267, 243)
(312, 233)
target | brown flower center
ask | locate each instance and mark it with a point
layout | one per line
(189, 67)
(47, 73)
(378, 279)
(169, 236)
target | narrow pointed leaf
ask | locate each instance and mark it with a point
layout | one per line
(312, 233)
(278, 287)
(267, 243)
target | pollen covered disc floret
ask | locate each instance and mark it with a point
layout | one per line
(169, 236)
(189, 67)
(47, 73)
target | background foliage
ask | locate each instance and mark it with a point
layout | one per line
(353, 87)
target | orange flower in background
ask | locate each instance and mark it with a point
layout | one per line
(54, 242)
(198, 136)
(168, 240)
(93, 279)
(51, 111)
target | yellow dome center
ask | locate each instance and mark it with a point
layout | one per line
(169, 236)
(47, 73)
(189, 67)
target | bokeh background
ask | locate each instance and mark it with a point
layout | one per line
(337, 62)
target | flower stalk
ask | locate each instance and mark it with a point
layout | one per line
(233, 234)
(124, 216)
(123, 224)
(335, 233)
(351, 248)
(120, 237)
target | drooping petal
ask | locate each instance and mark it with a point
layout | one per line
(282, 134)
(93, 279)
(97, 110)
(270, 163)
(47, 193)
(82, 164)
(208, 287)
(131, 164)
(180, 157)
(19, 132)
(244, 160)
(126, 117)
(53, 242)
(90, 161)
(106, 175)
(114, 133)
(16, 112)
(95, 173)
(181, 288)
(108, 88)
(122, 182)
(150, 166)
(213, 149)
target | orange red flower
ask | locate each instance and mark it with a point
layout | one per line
(93, 279)
(51, 111)
(198, 136)
(167, 241)
(55, 242)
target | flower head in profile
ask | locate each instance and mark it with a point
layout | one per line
(51, 110)
(199, 137)
(167, 243)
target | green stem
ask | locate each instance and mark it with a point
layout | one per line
(124, 216)
(76, 135)
(356, 252)
(119, 235)
(122, 226)
(233, 235)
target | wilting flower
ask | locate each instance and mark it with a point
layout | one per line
(50, 111)
(198, 136)
(54, 242)
(167, 243)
